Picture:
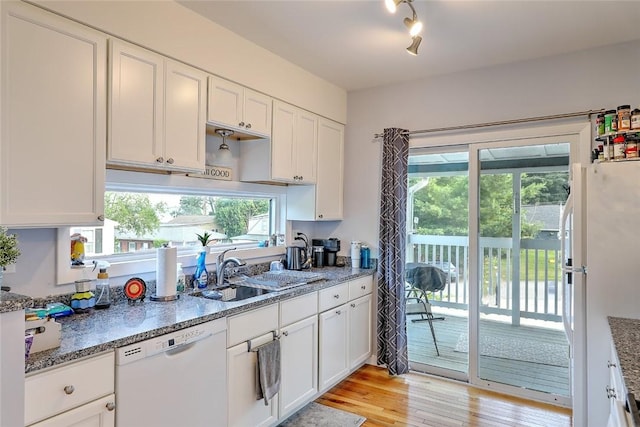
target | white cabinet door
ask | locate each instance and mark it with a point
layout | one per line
(158, 114)
(136, 116)
(53, 142)
(283, 140)
(225, 103)
(306, 145)
(184, 117)
(359, 331)
(299, 361)
(334, 346)
(99, 413)
(233, 106)
(244, 410)
(324, 200)
(329, 182)
(257, 112)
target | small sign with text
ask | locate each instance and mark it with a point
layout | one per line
(214, 172)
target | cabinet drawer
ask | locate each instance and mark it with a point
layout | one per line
(360, 287)
(58, 390)
(298, 308)
(249, 325)
(334, 296)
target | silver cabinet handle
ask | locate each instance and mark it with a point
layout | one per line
(241, 124)
(100, 217)
(353, 305)
(301, 177)
(170, 160)
(69, 389)
(611, 392)
(336, 296)
(338, 312)
(363, 287)
(610, 364)
(160, 160)
(111, 406)
(285, 333)
(248, 126)
(320, 216)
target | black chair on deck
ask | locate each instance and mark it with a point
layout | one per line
(423, 278)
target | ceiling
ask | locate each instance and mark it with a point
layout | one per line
(358, 44)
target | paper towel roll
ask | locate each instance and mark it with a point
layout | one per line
(166, 260)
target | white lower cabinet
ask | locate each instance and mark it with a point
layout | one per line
(345, 330)
(617, 395)
(360, 327)
(334, 346)
(299, 352)
(99, 413)
(79, 394)
(249, 331)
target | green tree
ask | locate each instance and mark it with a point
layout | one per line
(133, 212)
(553, 187)
(195, 205)
(233, 215)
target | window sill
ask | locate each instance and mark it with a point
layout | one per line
(66, 275)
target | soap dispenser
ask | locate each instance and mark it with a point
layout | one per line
(103, 291)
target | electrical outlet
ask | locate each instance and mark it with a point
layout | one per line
(11, 268)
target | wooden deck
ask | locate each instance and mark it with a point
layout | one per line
(535, 376)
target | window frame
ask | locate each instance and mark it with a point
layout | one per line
(140, 264)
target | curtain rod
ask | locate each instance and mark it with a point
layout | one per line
(588, 113)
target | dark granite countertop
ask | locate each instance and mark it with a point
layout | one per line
(626, 339)
(14, 302)
(121, 324)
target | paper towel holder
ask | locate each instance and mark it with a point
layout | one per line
(163, 298)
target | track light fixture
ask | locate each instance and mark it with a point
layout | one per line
(413, 49)
(413, 24)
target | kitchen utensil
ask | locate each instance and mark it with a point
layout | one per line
(318, 256)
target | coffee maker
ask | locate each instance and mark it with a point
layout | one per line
(330, 247)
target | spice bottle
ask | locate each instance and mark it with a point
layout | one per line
(610, 121)
(618, 147)
(624, 117)
(600, 123)
(635, 119)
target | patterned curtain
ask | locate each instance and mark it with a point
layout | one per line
(392, 328)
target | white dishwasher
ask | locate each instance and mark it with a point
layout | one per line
(177, 379)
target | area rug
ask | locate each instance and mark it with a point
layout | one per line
(518, 349)
(317, 415)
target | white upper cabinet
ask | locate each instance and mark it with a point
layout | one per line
(157, 111)
(232, 106)
(185, 117)
(323, 201)
(52, 151)
(290, 156)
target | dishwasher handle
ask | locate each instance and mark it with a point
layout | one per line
(177, 349)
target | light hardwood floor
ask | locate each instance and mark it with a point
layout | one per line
(420, 400)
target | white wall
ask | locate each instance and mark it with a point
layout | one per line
(178, 32)
(593, 79)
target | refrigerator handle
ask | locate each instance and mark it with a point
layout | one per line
(566, 285)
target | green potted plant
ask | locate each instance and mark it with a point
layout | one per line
(9, 251)
(204, 238)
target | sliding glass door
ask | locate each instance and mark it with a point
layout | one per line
(517, 341)
(486, 218)
(437, 241)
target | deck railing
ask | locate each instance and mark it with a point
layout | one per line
(530, 290)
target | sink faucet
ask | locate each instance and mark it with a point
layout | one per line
(222, 264)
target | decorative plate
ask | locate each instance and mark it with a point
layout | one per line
(135, 289)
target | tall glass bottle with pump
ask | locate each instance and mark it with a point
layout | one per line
(103, 294)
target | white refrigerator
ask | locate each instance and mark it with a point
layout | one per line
(603, 241)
